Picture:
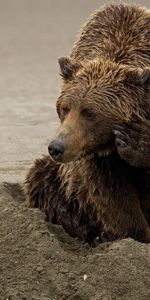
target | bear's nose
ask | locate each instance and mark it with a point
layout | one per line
(56, 149)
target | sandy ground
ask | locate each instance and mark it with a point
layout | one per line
(39, 261)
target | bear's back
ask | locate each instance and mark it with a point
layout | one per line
(120, 33)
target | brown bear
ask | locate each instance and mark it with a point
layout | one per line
(96, 179)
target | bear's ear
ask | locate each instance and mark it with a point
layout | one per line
(138, 76)
(68, 67)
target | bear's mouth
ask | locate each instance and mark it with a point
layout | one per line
(101, 150)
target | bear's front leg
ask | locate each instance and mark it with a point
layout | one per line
(133, 142)
(41, 187)
(43, 190)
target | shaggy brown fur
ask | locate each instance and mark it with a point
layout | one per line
(102, 183)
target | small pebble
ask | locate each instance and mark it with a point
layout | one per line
(85, 277)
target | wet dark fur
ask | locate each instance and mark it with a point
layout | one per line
(107, 190)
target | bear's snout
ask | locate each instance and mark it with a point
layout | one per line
(56, 149)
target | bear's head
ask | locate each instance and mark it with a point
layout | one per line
(96, 96)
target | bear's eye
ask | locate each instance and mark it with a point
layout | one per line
(88, 114)
(65, 109)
